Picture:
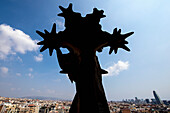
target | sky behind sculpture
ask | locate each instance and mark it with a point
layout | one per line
(24, 71)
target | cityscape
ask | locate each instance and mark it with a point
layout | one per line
(25, 105)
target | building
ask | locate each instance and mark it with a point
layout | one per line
(158, 100)
(147, 101)
(33, 108)
(2, 109)
(125, 110)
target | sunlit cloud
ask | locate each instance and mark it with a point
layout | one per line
(59, 24)
(19, 59)
(15, 89)
(15, 41)
(30, 69)
(38, 58)
(30, 75)
(116, 68)
(50, 91)
(35, 90)
(18, 74)
(4, 70)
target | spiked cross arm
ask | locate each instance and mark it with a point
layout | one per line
(51, 40)
(115, 41)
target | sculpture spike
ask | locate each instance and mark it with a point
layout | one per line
(53, 31)
(70, 6)
(41, 34)
(43, 48)
(62, 8)
(125, 47)
(51, 51)
(61, 14)
(115, 50)
(127, 35)
(119, 31)
(41, 43)
(125, 42)
(115, 31)
(111, 50)
(46, 32)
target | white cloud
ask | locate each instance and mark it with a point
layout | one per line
(50, 91)
(59, 24)
(30, 69)
(12, 89)
(4, 70)
(115, 69)
(15, 41)
(38, 58)
(18, 74)
(32, 89)
(15, 89)
(30, 75)
(19, 59)
(35, 90)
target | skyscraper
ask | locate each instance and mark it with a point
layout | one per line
(158, 100)
(147, 101)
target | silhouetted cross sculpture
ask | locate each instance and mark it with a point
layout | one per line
(83, 37)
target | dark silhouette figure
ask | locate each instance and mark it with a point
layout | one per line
(83, 37)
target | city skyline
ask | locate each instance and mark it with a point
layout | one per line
(24, 71)
(25, 105)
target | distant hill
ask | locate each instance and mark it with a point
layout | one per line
(41, 98)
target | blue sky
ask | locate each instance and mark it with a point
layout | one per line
(24, 71)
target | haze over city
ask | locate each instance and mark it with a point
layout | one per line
(24, 71)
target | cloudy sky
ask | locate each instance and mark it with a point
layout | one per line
(24, 71)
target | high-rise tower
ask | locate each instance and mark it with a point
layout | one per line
(158, 100)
